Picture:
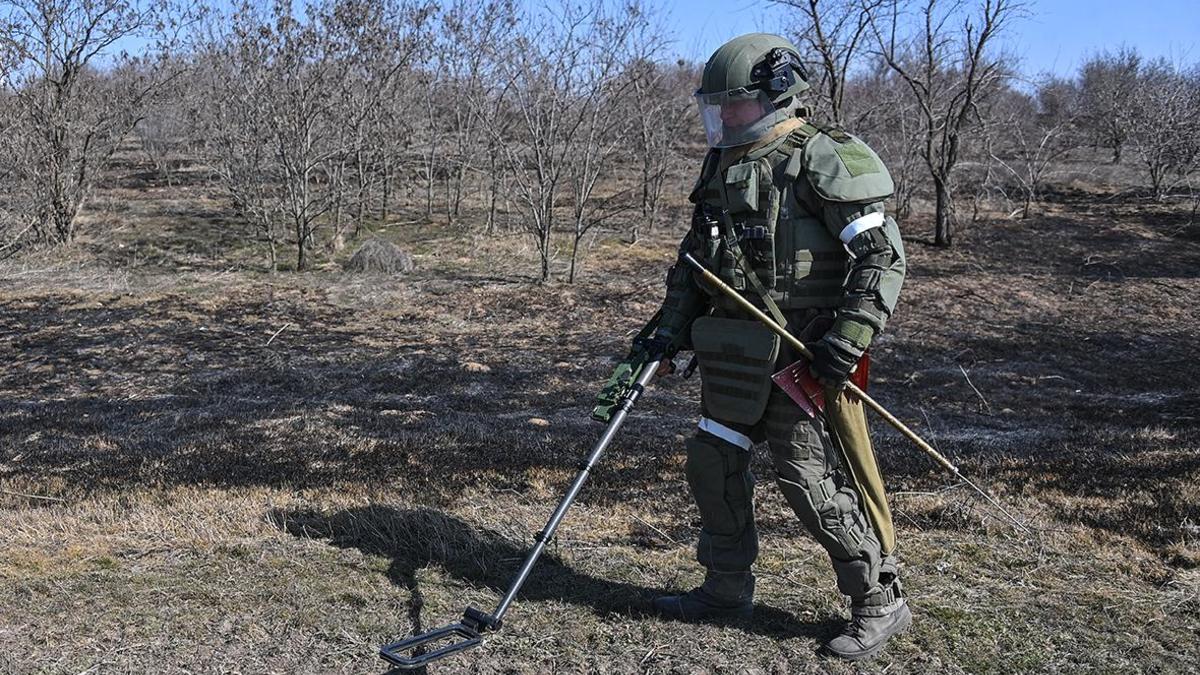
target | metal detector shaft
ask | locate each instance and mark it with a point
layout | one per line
(468, 632)
(547, 532)
(854, 389)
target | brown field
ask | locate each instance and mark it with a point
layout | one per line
(208, 468)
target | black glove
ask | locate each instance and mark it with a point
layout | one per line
(659, 347)
(832, 361)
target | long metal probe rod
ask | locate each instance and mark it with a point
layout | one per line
(543, 538)
(862, 395)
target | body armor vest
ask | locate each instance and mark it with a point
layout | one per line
(747, 200)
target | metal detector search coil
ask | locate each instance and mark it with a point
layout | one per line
(399, 653)
(468, 632)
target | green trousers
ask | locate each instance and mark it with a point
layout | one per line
(810, 475)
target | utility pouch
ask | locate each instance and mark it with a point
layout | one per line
(728, 268)
(741, 187)
(737, 357)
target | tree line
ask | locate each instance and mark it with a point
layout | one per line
(930, 84)
(324, 121)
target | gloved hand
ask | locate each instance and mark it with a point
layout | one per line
(832, 361)
(659, 347)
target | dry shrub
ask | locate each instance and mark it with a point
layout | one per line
(377, 256)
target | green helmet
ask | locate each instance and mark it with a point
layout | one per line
(744, 83)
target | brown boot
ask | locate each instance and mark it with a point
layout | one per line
(873, 620)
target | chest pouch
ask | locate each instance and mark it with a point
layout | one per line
(741, 187)
(737, 357)
(752, 204)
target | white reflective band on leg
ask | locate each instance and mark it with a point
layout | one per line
(725, 433)
(860, 225)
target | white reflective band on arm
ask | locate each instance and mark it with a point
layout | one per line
(860, 225)
(725, 433)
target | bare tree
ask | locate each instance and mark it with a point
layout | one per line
(833, 32)
(623, 41)
(432, 133)
(467, 48)
(1107, 97)
(1031, 133)
(74, 113)
(1166, 135)
(164, 131)
(296, 93)
(391, 130)
(18, 145)
(661, 112)
(557, 86)
(379, 111)
(236, 136)
(950, 67)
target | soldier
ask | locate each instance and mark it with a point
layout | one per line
(791, 215)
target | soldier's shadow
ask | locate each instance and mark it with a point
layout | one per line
(417, 538)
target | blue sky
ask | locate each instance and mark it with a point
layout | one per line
(1055, 37)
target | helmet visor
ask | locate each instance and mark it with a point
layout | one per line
(735, 117)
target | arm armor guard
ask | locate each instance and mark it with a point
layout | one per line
(845, 187)
(873, 285)
(685, 301)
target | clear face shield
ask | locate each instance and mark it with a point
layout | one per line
(736, 117)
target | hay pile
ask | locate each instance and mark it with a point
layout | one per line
(377, 256)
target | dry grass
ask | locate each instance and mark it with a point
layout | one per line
(208, 468)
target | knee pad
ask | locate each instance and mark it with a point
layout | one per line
(832, 515)
(843, 520)
(852, 545)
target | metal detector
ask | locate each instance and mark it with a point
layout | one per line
(415, 652)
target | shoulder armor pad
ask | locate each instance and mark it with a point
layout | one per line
(846, 170)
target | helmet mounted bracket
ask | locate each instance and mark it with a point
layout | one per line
(778, 70)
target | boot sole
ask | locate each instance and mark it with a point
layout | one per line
(904, 625)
